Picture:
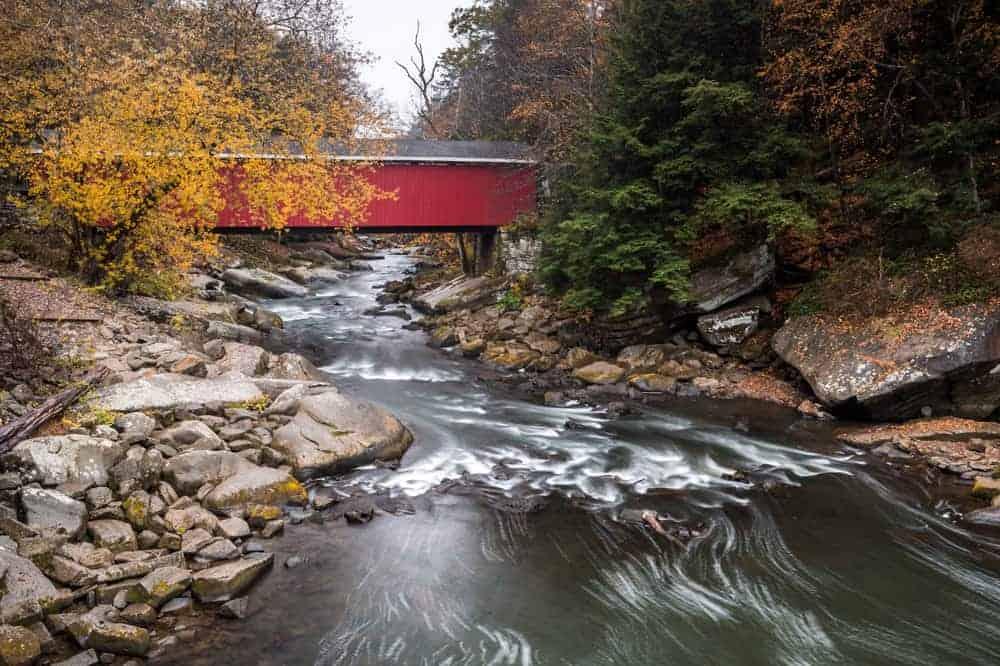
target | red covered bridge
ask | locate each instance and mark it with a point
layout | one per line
(444, 186)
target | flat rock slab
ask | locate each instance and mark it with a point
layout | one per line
(167, 391)
(226, 581)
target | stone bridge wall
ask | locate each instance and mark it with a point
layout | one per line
(519, 253)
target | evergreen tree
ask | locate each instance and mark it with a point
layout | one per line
(684, 148)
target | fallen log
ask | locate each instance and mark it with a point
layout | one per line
(21, 428)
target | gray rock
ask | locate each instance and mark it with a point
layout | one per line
(177, 606)
(97, 629)
(462, 292)
(138, 614)
(950, 366)
(184, 434)
(85, 658)
(234, 528)
(288, 402)
(260, 485)
(190, 471)
(24, 584)
(88, 555)
(65, 458)
(163, 584)
(167, 391)
(293, 366)
(135, 427)
(262, 283)
(99, 496)
(227, 581)
(235, 609)
(194, 540)
(235, 332)
(729, 327)
(50, 511)
(248, 360)
(219, 549)
(715, 286)
(332, 431)
(115, 535)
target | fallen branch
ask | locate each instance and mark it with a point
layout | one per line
(21, 428)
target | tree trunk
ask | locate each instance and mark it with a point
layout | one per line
(21, 428)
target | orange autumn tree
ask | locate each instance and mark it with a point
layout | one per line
(124, 143)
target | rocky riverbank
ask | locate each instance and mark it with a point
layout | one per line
(152, 500)
(727, 351)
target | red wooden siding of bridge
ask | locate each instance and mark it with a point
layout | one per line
(432, 196)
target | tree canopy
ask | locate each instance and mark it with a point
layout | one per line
(125, 135)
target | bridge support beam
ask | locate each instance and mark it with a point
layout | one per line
(478, 251)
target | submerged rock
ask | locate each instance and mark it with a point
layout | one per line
(332, 432)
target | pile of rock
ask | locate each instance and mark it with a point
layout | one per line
(110, 529)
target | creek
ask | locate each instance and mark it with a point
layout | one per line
(829, 556)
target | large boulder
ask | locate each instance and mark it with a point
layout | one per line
(262, 485)
(262, 283)
(67, 458)
(50, 511)
(189, 471)
(891, 370)
(333, 432)
(167, 391)
(715, 286)
(462, 292)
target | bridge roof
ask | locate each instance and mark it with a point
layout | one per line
(437, 152)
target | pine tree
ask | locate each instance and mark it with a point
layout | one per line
(684, 147)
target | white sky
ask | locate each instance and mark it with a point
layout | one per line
(386, 28)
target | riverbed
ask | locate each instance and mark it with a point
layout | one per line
(781, 546)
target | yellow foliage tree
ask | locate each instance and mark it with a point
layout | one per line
(132, 151)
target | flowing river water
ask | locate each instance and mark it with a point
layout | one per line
(830, 557)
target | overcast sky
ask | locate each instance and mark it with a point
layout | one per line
(386, 28)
